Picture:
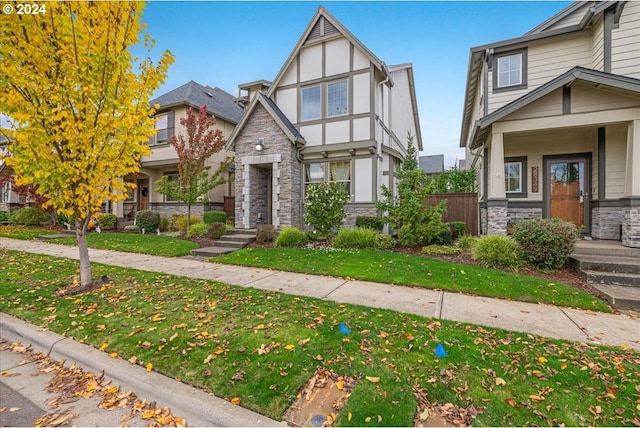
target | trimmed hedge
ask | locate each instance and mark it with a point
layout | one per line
(30, 216)
(215, 230)
(107, 221)
(148, 220)
(291, 237)
(545, 243)
(497, 251)
(214, 216)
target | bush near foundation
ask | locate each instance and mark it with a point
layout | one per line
(214, 217)
(545, 243)
(30, 216)
(265, 233)
(215, 230)
(291, 237)
(148, 220)
(495, 251)
(107, 221)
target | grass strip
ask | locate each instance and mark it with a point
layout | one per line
(262, 347)
(417, 271)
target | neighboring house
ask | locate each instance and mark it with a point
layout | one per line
(431, 164)
(336, 113)
(164, 160)
(552, 121)
(9, 200)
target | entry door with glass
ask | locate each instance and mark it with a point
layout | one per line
(568, 188)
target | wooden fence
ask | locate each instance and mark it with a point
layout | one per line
(460, 207)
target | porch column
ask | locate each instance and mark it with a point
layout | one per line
(246, 196)
(631, 200)
(496, 199)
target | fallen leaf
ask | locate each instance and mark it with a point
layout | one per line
(340, 385)
(235, 401)
(290, 347)
(373, 379)
(424, 415)
(511, 402)
(500, 381)
(542, 360)
(536, 397)
(149, 366)
(104, 346)
(349, 416)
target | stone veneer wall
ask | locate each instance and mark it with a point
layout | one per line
(355, 211)
(279, 154)
(168, 209)
(631, 225)
(516, 214)
(483, 221)
(496, 220)
(605, 222)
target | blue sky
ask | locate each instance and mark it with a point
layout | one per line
(224, 44)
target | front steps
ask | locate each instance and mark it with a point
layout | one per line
(612, 269)
(233, 240)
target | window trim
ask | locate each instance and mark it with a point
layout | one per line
(326, 169)
(324, 100)
(170, 116)
(302, 89)
(170, 174)
(336, 82)
(523, 193)
(523, 72)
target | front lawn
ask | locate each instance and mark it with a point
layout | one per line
(405, 269)
(262, 347)
(128, 242)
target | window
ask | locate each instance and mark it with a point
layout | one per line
(5, 192)
(172, 177)
(337, 98)
(164, 128)
(515, 177)
(510, 70)
(311, 103)
(332, 172)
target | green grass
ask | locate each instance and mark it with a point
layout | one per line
(417, 271)
(128, 242)
(185, 326)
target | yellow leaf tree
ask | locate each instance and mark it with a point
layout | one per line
(80, 112)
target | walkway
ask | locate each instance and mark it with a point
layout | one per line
(550, 321)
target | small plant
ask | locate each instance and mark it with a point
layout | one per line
(214, 216)
(324, 207)
(545, 243)
(441, 250)
(178, 222)
(29, 216)
(265, 233)
(355, 237)
(4, 216)
(497, 251)
(148, 220)
(291, 237)
(164, 224)
(375, 223)
(466, 242)
(198, 230)
(384, 242)
(107, 221)
(215, 230)
(132, 228)
(458, 228)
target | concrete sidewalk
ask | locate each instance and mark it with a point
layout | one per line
(545, 320)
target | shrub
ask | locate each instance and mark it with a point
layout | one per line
(179, 221)
(458, 228)
(198, 230)
(29, 216)
(384, 242)
(355, 237)
(441, 250)
(291, 237)
(107, 221)
(148, 220)
(215, 230)
(214, 216)
(324, 207)
(545, 243)
(133, 228)
(466, 242)
(4, 216)
(375, 223)
(164, 224)
(265, 233)
(497, 251)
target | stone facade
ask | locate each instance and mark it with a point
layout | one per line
(354, 212)
(497, 218)
(273, 172)
(517, 214)
(483, 220)
(605, 222)
(631, 222)
(168, 209)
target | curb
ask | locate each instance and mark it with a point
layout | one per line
(195, 405)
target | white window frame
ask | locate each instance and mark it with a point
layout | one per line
(162, 125)
(326, 168)
(508, 176)
(5, 192)
(504, 67)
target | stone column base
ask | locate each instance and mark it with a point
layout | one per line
(630, 221)
(497, 217)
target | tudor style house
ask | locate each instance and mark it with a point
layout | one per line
(551, 120)
(173, 106)
(335, 112)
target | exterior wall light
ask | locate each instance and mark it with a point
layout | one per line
(260, 144)
(372, 149)
(324, 154)
(352, 152)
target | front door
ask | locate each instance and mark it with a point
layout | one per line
(568, 190)
(143, 194)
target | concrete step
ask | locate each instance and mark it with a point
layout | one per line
(222, 242)
(605, 263)
(619, 296)
(211, 251)
(631, 280)
(251, 232)
(239, 237)
(605, 248)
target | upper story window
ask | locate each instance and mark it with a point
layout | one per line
(164, 128)
(311, 103)
(5, 192)
(510, 70)
(331, 98)
(337, 98)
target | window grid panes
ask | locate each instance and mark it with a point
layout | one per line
(4, 192)
(513, 177)
(311, 103)
(510, 70)
(337, 98)
(338, 172)
(162, 128)
(172, 177)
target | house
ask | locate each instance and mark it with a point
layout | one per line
(9, 200)
(173, 106)
(335, 112)
(551, 120)
(431, 164)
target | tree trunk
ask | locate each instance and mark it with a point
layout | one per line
(85, 263)
(188, 218)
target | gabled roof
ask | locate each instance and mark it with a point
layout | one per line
(431, 164)
(550, 28)
(278, 116)
(586, 75)
(220, 103)
(312, 30)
